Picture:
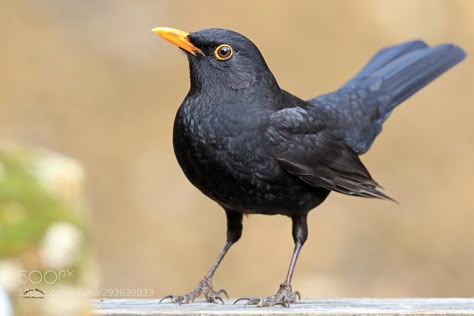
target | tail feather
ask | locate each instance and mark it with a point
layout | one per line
(390, 77)
(387, 55)
(411, 72)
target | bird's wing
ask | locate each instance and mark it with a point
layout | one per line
(395, 73)
(305, 148)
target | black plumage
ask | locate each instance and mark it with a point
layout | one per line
(254, 148)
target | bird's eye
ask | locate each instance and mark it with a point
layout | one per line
(223, 52)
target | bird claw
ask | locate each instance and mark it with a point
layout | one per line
(243, 299)
(222, 291)
(204, 287)
(250, 300)
(180, 299)
(166, 297)
(215, 299)
(284, 296)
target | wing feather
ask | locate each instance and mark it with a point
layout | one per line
(306, 149)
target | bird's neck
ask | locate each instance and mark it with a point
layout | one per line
(222, 84)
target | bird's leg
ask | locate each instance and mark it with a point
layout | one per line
(285, 294)
(234, 231)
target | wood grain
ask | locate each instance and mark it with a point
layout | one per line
(343, 306)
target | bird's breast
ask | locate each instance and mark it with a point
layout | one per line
(217, 154)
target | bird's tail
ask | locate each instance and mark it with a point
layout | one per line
(395, 73)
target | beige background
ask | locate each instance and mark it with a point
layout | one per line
(88, 78)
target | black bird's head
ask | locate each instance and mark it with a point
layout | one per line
(221, 59)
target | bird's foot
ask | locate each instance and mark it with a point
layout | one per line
(284, 296)
(204, 287)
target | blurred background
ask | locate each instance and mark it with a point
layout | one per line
(89, 80)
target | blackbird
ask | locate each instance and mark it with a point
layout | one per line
(254, 148)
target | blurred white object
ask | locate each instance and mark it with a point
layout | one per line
(9, 269)
(61, 175)
(5, 304)
(60, 245)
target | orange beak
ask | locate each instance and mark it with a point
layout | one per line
(178, 38)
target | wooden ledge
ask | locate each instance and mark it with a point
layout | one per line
(343, 306)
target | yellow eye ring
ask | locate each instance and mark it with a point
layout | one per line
(223, 52)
